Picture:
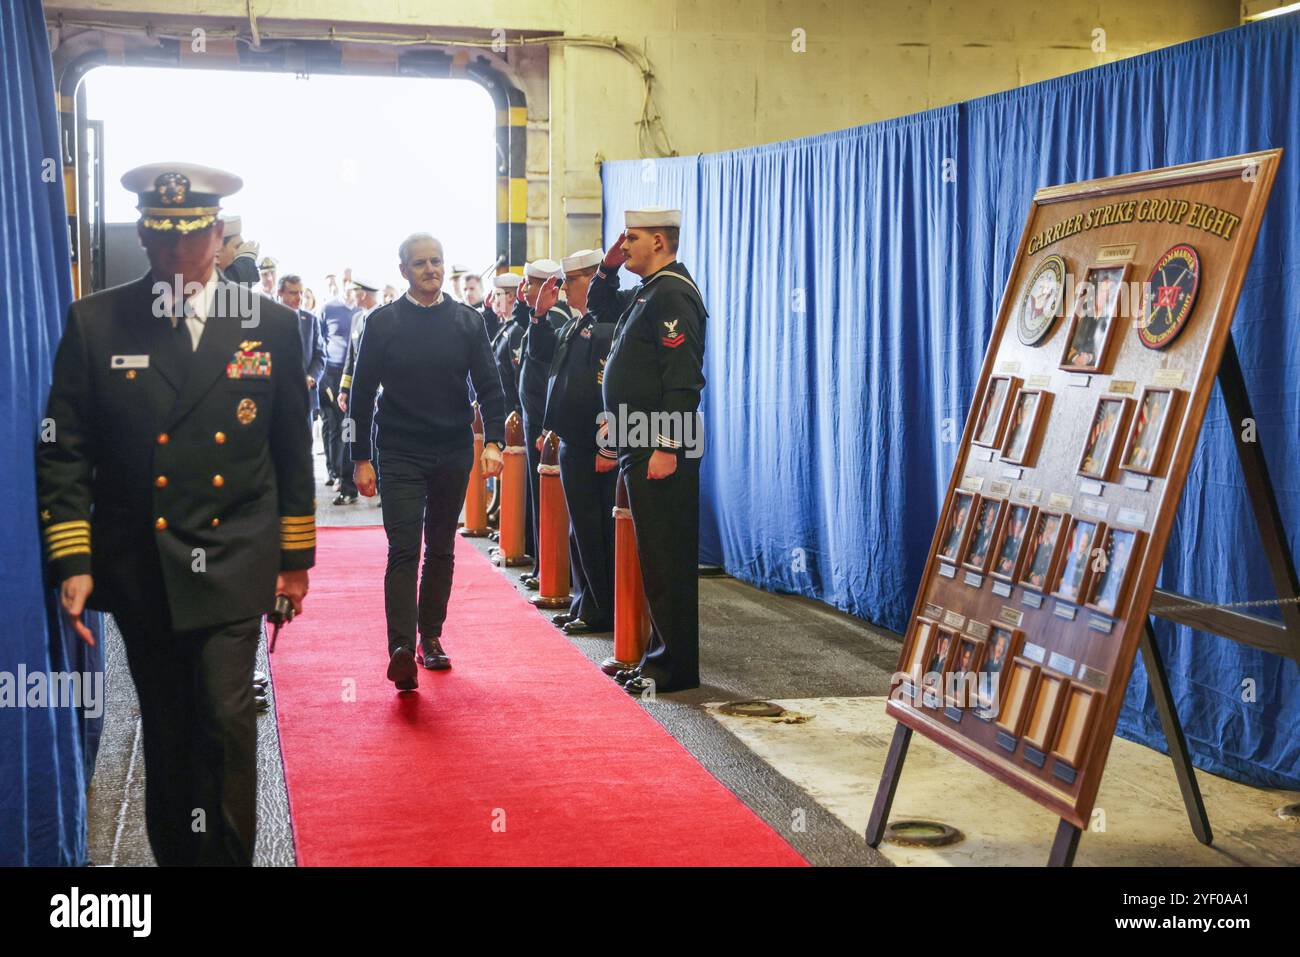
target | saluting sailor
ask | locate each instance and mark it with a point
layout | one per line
(653, 379)
(573, 404)
(176, 493)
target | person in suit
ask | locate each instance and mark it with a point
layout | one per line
(313, 349)
(655, 373)
(367, 300)
(175, 492)
(576, 356)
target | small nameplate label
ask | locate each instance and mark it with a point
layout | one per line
(1132, 517)
(932, 611)
(999, 488)
(1035, 652)
(1100, 623)
(972, 483)
(952, 714)
(974, 579)
(1060, 501)
(1032, 599)
(977, 629)
(1002, 589)
(1012, 472)
(1061, 663)
(954, 620)
(1095, 508)
(1118, 253)
(1139, 483)
(1063, 771)
(1029, 494)
(981, 454)
(1010, 366)
(1092, 677)
(1169, 377)
(1038, 382)
(1122, 386)
(1065, 611)
(1080, 381)
(1034, 756)
(947, 571)
(1091, 487)
(1010, 616)
(1006, 742)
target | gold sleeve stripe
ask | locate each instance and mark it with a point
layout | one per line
(345, 383)
(297, 536)
(298, 520)
(69, 550)
(64, 526)
(297, 546)
(72, 534)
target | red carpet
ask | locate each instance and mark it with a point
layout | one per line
(523, 754)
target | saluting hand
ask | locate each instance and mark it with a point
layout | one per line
(363, 474)
(547, 296)
(614, 256)
(662, 464)
(72, 596)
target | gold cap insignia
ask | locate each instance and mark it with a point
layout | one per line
(246, 412)
(248, 344)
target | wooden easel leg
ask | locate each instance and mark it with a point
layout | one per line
(888, 785)
(1064, 846)
(1173, 728)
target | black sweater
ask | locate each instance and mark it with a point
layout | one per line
(422, 356)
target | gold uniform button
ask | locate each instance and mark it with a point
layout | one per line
(219, 438)
(161, 524)
(218, 481)
(130, 374)
(163, 438)
(216, 522)
(160, 481)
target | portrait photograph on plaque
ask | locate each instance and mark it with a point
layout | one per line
(979, 545)
(1002, 645)
(1095, 319)
(1143, 452)
(1170, 296)
(956, 525)
(1042, 302)
(994, 409)
(1107, 589)
(1009, 548)
(1044, 545)
(1081, 704)
(1028, 409)
(1104, 437)
(963, 690)
(1077, 559)
(1020, 681)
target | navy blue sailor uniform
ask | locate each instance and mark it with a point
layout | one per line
(533, 373)
(573, 405)
(655, 366)
(180, 477)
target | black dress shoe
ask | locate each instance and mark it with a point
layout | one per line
(638, 686)
(329, 482)
(623, 677)
(559, 621)
(401, 670)
(432, 657)
(259, 677)
(580, 627)
(531, 583)
(262, 703)
(342, 499)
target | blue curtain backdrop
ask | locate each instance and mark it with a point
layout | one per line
(43, 756)
(853, 279)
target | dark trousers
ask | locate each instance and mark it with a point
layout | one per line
(420, 492)
(200, 734)
(666, 516)
(331, 419)
(532, 432)
(590, 497)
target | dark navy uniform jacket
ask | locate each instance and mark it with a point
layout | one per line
(173, 475)
(533, 373)
(507, 346)
(576, 355)
(656, 361)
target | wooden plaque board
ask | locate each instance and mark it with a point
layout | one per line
(1076, 657)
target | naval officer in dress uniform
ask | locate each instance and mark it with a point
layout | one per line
(653, 379)
(576, 356)
(175, 492)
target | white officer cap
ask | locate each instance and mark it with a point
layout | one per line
(507, 280)
(234, 225)
(365, 284)
(582, 259)
(649, 216)
(179, 197)
(542, 269)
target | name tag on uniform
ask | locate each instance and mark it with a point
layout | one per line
(249, 365)
(129, 362)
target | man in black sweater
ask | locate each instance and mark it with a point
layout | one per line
(422, 348)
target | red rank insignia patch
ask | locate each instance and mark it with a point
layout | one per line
(672, 338)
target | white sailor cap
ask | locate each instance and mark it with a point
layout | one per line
(582, 259)
(267, 263)
(507, 280)
(365, 284)
(649, 216)
(542, 269)
(458, 270)
(179, 197)
(234, 225)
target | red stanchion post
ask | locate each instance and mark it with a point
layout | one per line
(552, 531)
(476, 493)
(513, 476)
(631, 614)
